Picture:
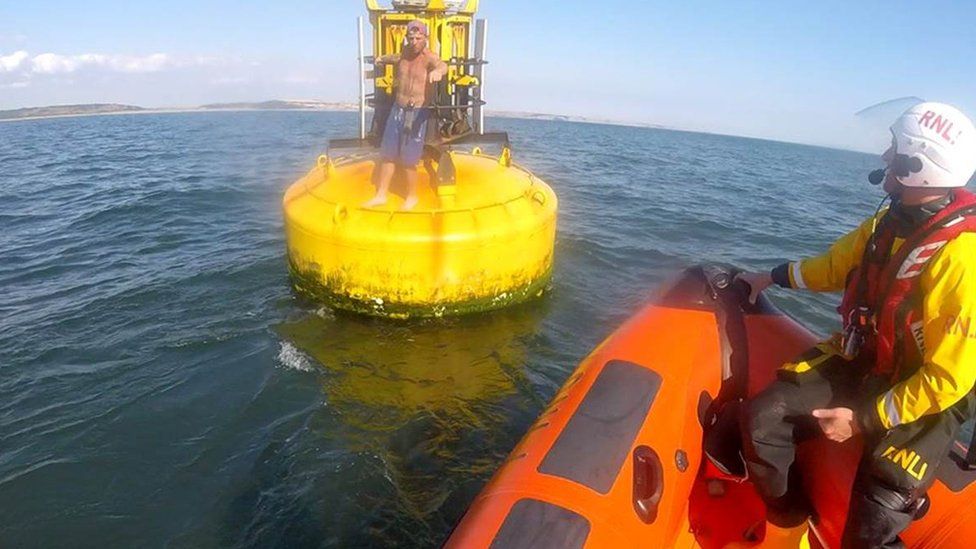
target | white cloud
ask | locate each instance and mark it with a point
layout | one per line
(49, 63)
(300, 79)
(52, 63)
(20, 69)
(208, 61)
(10, 63)
(25, 65)
(33, 78)
(150, 63)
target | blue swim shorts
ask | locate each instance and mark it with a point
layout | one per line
(403, 138)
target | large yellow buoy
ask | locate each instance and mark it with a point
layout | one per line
(481, 237)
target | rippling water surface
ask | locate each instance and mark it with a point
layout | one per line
(160, 384)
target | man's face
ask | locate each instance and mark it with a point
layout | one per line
(416, 41)
(891, 185)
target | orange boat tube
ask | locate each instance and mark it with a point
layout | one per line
(618, 457)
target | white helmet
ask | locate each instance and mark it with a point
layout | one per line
(934, 146)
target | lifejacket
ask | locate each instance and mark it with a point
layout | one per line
(881, 298)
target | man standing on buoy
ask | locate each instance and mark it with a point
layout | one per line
(903, 369)
(417, 69)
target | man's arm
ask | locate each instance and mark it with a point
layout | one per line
(386, 59)
(827, 272)
(948, 339)
(436, 68)
(824, 273)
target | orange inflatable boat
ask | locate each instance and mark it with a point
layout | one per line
(618, 457)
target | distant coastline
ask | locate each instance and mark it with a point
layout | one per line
(113, 109)
(104, 109)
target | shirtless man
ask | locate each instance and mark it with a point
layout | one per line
(417, 68)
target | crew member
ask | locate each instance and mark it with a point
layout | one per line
(901, 372)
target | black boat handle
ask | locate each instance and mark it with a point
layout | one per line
(648, 483)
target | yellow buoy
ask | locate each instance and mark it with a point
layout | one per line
(481, 237)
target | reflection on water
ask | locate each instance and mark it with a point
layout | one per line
(422, 397)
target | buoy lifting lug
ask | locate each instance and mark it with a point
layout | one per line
(505, 159)
(325, 163)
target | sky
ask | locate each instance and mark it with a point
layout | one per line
(792, 71)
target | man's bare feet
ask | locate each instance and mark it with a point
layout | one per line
(377, 200)
(409, 203)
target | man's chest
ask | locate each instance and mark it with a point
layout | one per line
(412, 69)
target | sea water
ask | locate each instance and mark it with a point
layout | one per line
(160, 385)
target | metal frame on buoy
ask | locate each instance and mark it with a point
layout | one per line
(459, 39)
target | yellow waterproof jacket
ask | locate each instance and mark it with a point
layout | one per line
(947, 309)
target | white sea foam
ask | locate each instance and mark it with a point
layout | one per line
(325, 312)
(290, 357)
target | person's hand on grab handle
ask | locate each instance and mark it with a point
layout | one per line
(837, 424)
(757, 282)
(434, 76)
